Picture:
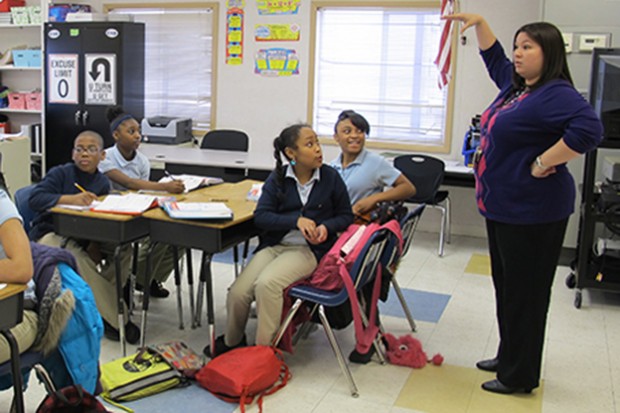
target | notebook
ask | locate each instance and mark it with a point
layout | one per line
(192, 182)
(197, 210)
(129, 204)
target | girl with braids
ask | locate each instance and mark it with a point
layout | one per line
(303, 206)
(126, 168)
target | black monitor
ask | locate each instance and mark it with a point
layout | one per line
(605, 89)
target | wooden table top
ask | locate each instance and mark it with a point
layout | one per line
(11, 290)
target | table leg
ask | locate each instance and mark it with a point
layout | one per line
(147, 293)
(18, 384)
(190, 282)
(210, 305)
(177, 282)
(119, 298)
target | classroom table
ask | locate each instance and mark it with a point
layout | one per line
(103, 227)
(209, 236)
(11, 314)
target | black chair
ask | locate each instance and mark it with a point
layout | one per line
(225, 140)
(362, 272)
(391, 256)
(22, 197)
(426, 173)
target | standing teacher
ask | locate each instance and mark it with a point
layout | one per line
(536, 124)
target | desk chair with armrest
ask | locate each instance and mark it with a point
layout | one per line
(362, 272)
(426, 173)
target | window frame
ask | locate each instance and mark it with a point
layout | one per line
(215, 6)
(395, 5)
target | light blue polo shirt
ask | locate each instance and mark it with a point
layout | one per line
(368, 174)
(9, 211)
(136, 168)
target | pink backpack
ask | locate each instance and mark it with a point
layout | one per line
(333, 273)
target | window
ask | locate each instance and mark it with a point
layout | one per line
(379, 62)
(178, 60)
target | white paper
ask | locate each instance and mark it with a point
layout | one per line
(2, 286)
(128, 203)
(192, 182)
(79, 207)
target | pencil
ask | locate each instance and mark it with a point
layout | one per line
(78, 186)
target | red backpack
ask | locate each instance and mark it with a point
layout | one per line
(333, 273)
(241, 374)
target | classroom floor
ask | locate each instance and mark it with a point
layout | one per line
(452, 302)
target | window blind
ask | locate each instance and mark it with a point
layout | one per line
(178, 62)
(379, 62)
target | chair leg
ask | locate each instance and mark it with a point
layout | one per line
(403, 303)
(179, 289)
(375, 342)
(442, 232)
(336, 348)
(287, 320)
(448, 221)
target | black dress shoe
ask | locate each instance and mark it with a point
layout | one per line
(132, 332)
(362, 358)
(157, 290)
(221, 347)
(496, 386)
(488, 365)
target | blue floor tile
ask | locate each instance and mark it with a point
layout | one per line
(424, 306)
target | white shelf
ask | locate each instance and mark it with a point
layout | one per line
(7, 110)
(20, 68)
(18, 26)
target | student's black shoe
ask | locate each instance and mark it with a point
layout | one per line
(157, 290)
(488, 365)
(496, 386)
(361, 358)
(132, 332)
(221, 347)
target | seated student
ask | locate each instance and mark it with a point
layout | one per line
(302, 208)
(365, 173)
(16, 267)
(127, 168)
(62, 185)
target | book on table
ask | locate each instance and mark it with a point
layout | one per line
(192, 182)
(129, 204)
(197, 210)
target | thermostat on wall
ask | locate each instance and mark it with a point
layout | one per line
(588, 41)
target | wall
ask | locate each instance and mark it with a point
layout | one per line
(598, 16)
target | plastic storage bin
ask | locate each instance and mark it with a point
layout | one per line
(33, 100)
(5, 5)
(27, 58)
(17, 101)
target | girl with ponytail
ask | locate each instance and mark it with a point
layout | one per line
(304, 204)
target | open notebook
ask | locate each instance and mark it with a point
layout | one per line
(192, 182)
(197, 210)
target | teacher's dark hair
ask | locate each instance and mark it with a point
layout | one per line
(357, 120)
(550, 40)
(287, 139)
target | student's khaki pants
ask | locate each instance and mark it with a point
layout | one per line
(269, 272)
(163, 262)
(102, 283)
(24, 333)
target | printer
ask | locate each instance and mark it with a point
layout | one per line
(167, 130)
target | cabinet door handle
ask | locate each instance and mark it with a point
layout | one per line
(77, 117)
(85, 118)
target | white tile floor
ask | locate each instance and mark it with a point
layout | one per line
(581, 369)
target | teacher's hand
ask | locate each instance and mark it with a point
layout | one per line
(468, 19)
(538, 172)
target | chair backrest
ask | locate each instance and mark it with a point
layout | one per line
(408, 225)
(22, 197)
(226, 139)
(425, 172)
(365, 266)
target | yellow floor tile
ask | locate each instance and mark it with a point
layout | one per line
(453, 389)
(479, 264)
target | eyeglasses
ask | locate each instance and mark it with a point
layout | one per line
(91, 149)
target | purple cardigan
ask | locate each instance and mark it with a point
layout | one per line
(514, 135)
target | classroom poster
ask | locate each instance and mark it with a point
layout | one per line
(276, 32)
(276, 62)
(234, 36)
(266, 7)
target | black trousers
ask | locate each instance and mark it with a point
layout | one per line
(523, 264)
